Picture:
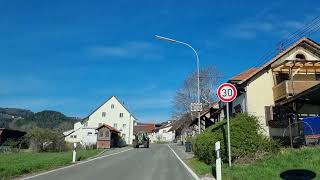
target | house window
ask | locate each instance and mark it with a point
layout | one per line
(112, 106)
(107, 134)
(101, 134)
(124, 126)
(300, 56)
(89, 133)
(121, 115)
(73, 136)
(115, 125)
(103, 114)
(85, 124)
(164, 131)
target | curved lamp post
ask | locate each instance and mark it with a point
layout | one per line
(195, 52)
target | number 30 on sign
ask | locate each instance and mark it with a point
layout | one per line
(227, 92)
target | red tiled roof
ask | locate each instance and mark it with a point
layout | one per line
(109, 127)
(244, 75)
(149, 128)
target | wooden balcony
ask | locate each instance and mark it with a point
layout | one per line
(289, 88)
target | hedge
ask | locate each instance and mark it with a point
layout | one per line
(246, 141)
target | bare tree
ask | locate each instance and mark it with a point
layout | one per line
(187, 94)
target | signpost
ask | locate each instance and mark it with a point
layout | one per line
(227, 93)
(196, 107)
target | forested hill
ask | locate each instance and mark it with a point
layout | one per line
(23, 119)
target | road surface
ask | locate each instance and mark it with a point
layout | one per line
(155, 163)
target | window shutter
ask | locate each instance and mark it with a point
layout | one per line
(268, 114)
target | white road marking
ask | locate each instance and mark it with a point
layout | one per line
(184, 164)
(81, 162)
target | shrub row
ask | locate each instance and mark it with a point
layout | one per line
(246, 141)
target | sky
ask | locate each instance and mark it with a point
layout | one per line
(70, 56)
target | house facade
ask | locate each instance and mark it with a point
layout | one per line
(281, 93)
(270, 92)
(112, 113)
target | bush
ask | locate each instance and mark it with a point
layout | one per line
(246, 141)
(45, 140)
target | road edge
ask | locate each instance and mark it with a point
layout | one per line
(72, 165)
(194, 175)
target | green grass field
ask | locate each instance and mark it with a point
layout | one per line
(268, 168)
(15, 164)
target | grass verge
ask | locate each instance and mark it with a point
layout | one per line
(267, 168)
(199, 167)
(271, 167)
(15, 164)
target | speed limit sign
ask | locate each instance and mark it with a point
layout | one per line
(227, 92)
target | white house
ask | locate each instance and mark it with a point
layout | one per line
(163, 133)
(113, 113)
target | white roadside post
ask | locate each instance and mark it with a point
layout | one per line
(218, 161)
(74, 153)
(227, 93)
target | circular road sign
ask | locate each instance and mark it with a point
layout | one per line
(227, 92)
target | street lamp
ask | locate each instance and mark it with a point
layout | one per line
(195, 52)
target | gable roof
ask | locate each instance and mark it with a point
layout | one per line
(149, 128)
(87, 117)
(304, 39)
(243, 75)
(109, 127)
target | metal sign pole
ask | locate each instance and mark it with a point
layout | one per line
(228, 126)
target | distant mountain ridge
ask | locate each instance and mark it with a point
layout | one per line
(24, 119)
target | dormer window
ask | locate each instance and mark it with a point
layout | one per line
(300, 56)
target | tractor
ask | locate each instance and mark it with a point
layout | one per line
(141, 138)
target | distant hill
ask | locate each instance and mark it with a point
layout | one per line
(25, 119)
(16, 112)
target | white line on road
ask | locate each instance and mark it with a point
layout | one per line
(184, 164)
(81, 162)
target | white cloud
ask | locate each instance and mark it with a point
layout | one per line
(249, 30)
(135, 49)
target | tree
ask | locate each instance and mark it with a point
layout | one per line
(45, 139)
(188, 92)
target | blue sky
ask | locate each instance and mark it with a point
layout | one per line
(70, 56)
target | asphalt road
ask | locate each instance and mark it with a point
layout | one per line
(155, 163)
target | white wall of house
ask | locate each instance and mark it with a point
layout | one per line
(84, 135)
(153, 137)
(112, 113)
(259, 94)
(164, 135)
